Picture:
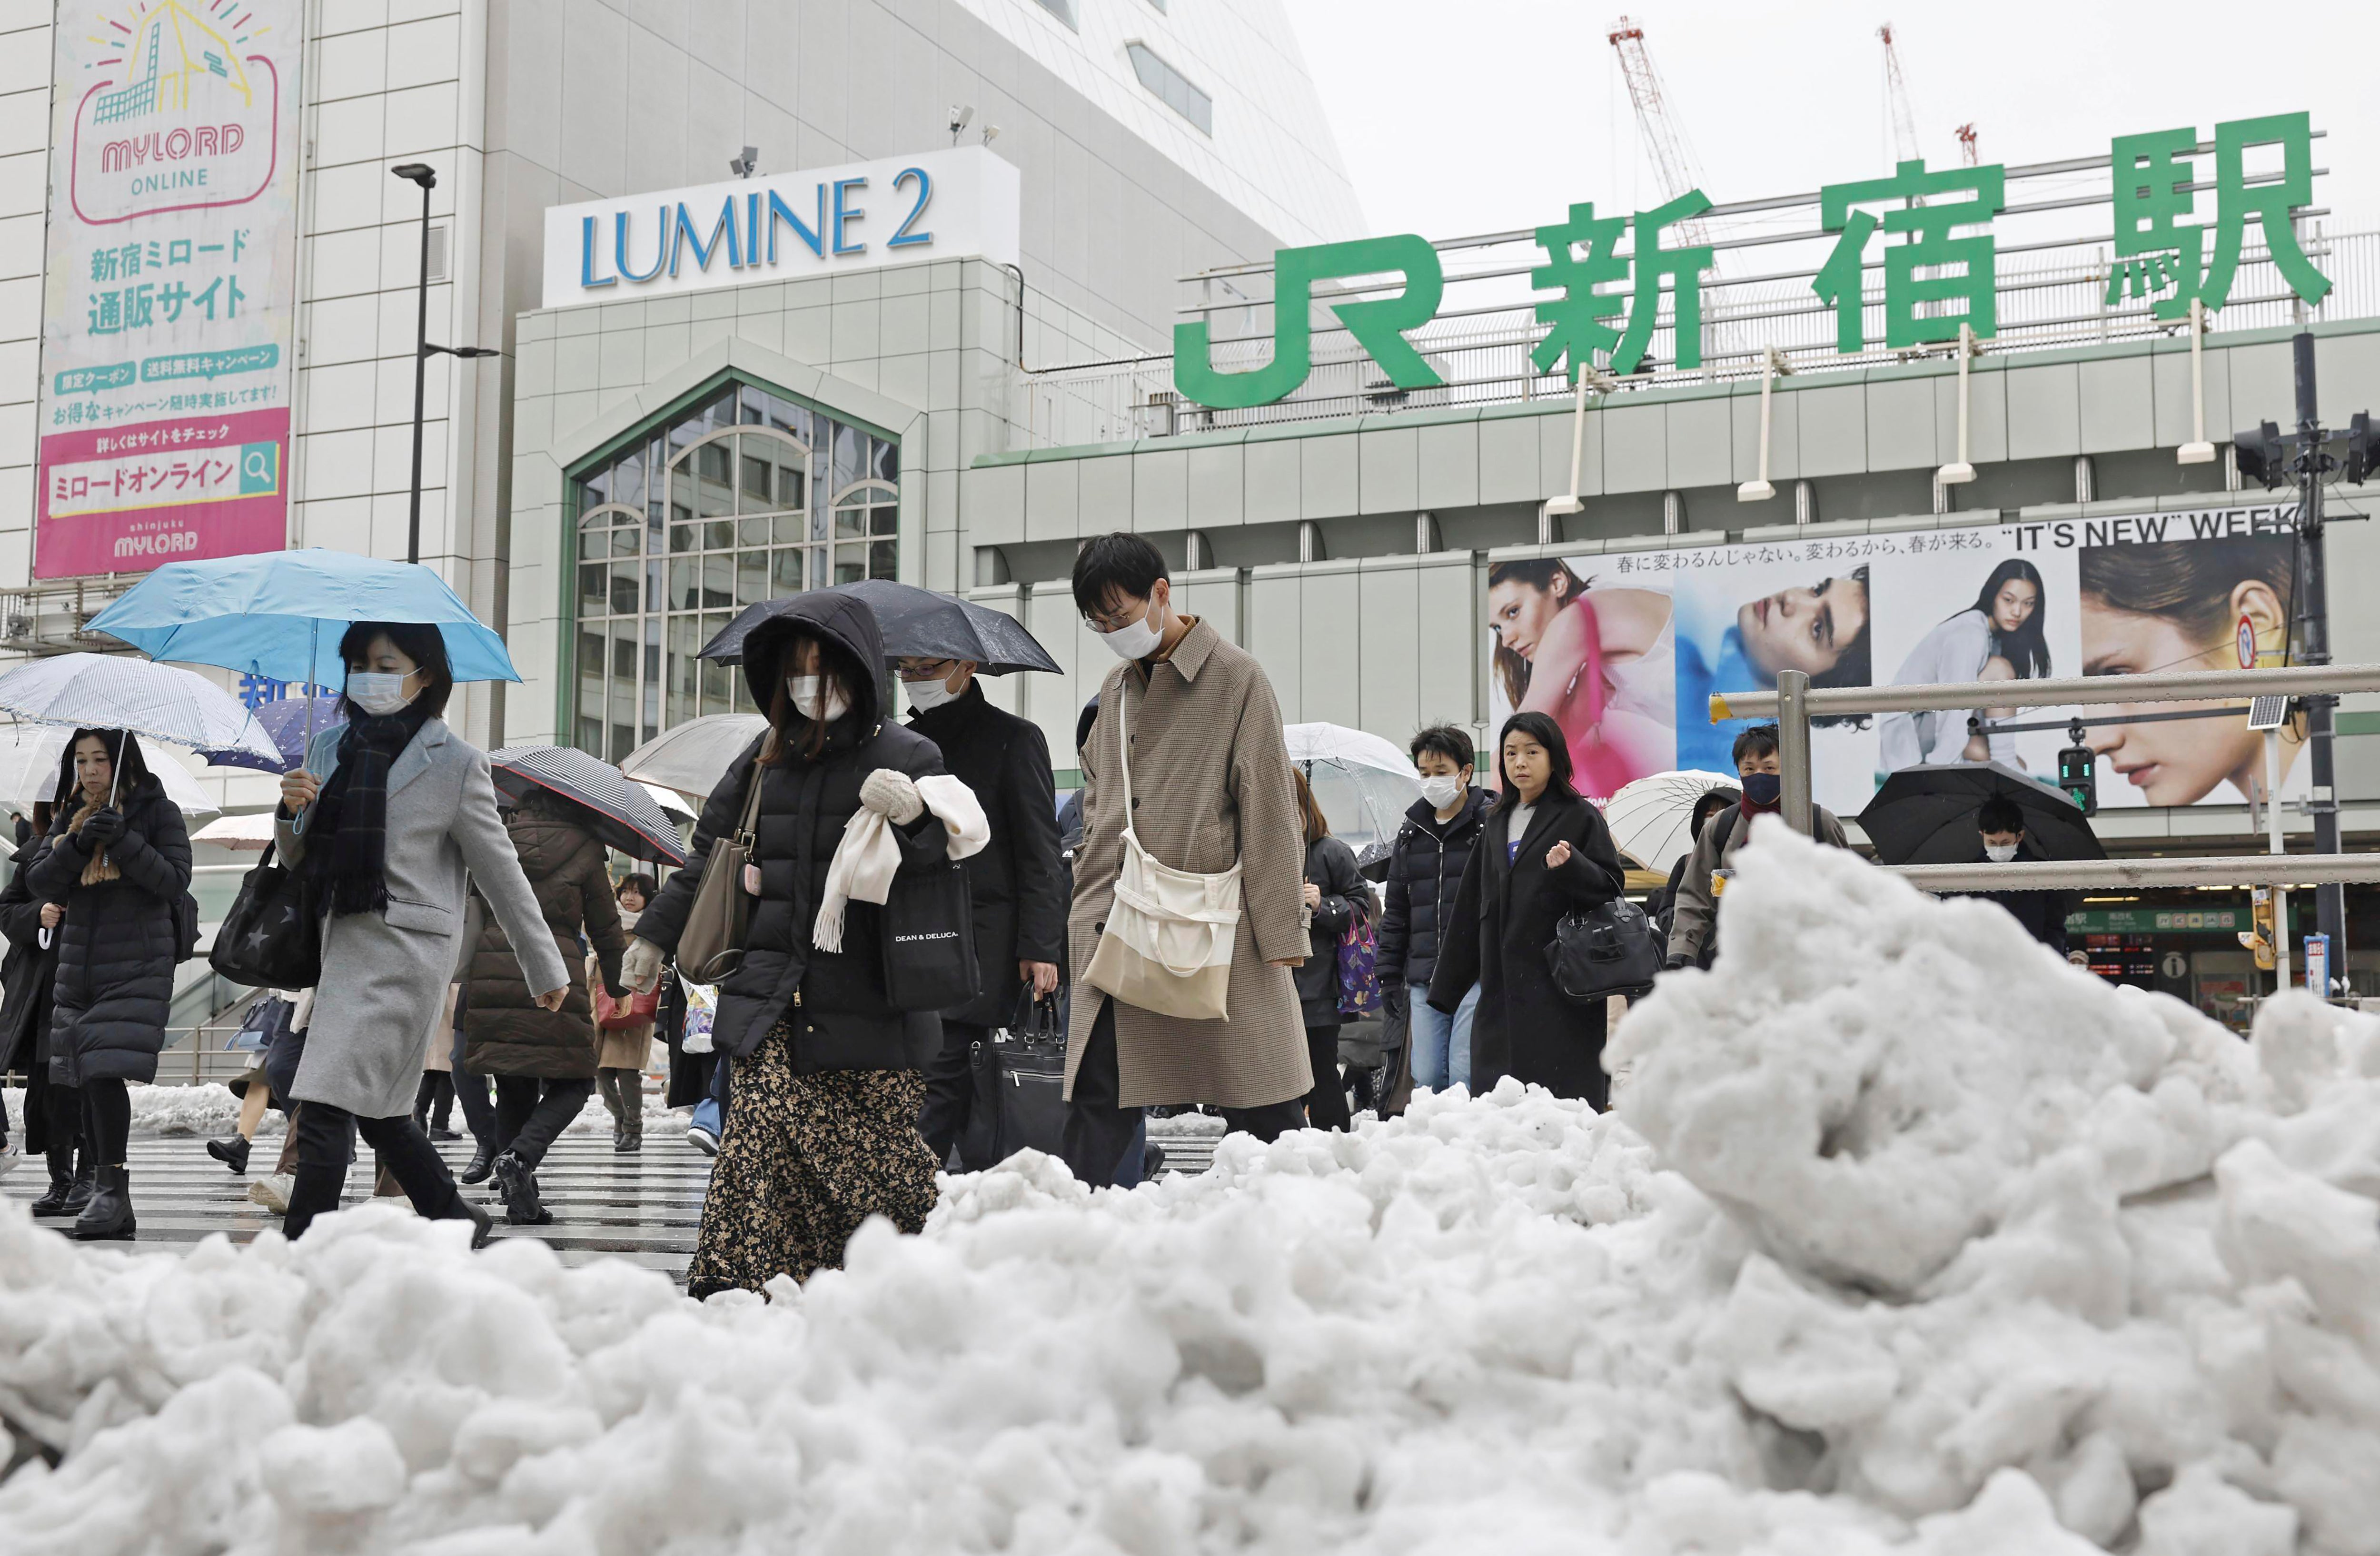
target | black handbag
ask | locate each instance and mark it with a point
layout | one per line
(273, 936)
(928, 919)
(1609, 949)
(1020, 1088)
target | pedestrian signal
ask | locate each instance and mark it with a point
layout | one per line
(2077, 774)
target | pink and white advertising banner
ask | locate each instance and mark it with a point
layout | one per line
(170, 283)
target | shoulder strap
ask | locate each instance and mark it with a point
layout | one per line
(1123, 749)
(752, 805)
(1726, 830)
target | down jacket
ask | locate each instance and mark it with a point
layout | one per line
(1425, 872)
(29, 972)
(503, 1032)
(116, 949)
(1330, 865)
(839, 1017)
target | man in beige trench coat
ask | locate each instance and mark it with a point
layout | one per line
(1210, 787)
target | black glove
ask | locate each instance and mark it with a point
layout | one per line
(1678, 959)
(101, 829)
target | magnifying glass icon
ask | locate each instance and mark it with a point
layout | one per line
(258, 465)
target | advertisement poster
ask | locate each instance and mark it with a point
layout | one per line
(1625, 650)
(170, 290)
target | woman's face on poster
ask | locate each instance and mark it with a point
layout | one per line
(1519, 614)
(2175, 762)
(2014, 604)
(1806, 627)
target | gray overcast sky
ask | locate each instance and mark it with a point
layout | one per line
(1490, 114)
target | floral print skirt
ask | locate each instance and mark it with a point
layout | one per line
(804, 1160)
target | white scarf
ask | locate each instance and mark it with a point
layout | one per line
(866, 858)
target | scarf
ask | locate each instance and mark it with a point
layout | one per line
(347, 838)
(101, 867)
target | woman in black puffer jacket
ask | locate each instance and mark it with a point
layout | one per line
(1335, 892)
(119, 859)
(822, 1123)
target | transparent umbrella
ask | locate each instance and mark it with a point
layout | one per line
(116, 691)
(1652, 819)
(692, 757)
(30, 758)
(1363, 783)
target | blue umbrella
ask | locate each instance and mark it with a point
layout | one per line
(281, 614)
(287, 721)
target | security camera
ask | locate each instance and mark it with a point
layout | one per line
(745, 165)
(961, 115)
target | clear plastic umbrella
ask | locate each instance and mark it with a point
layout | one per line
(1363, 783)
(116, 691)
(692, 757)
(1652, 819)
(30, 756)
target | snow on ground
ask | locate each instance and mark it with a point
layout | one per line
(1908, 1238)
(208, 1110)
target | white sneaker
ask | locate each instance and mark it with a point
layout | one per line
(272, 1191)
(702, 1140)
(10, 1158)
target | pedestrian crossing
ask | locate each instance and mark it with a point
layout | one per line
(644, 1207)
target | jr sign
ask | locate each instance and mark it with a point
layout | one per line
(1933, 228)
(961, 200)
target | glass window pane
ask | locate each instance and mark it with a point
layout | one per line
(651, 722)
(793, 481)
(757, 490)
(717, 678)
(883, 459)
(718, 581)
(594, 588)
(685, 640)
(788, 528)
(751, 577)
(753, 531)
(625, 585)
(786, 573)
(884, 559)
(883, 521)
(653, 574)
(596, 489)
(714, 491)
(685, 584)
(850, 458)
(849, 522)
(686, 536)
(850, 564)
(591, 663)
(591, 737)
(821, 521)
(624, 740)
(623, 661)
(681, 493)
(719, 536)
(628, 478)
(625, 541)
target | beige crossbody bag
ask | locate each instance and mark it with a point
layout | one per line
(1169, 933)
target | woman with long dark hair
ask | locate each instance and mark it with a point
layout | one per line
(1334, 894)
(2002, 637)
(118, 860)
(1544, 853)
(827, 1071)
(386, 817)
(52, 1108)
(1601, 663)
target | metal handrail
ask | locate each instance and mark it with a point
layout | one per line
(2230, 686)
(2066, 875)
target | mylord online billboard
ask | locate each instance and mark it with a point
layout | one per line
(1625, 649)
(169, 284)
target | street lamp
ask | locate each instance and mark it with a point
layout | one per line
(422, 173)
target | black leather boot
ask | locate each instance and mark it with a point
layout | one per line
(109, 1214)
(232, 1152)
(80, 1194)
(62, 1183)
(482, 1163)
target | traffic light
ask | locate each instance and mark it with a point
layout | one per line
(2362, 448)
(2259, 455)
(2078, 773)
(2266, 934)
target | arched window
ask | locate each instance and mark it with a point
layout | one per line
(716, 509)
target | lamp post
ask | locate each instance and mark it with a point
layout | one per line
(422, 173)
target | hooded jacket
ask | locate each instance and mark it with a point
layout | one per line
(834, 1003)
(29, 971)
(1424, 871)
(504, 1033)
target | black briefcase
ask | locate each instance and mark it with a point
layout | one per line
(273, 936)
(929, 920)
(1020, 1088)
(1609, 949)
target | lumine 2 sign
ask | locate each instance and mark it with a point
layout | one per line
(1939, 275)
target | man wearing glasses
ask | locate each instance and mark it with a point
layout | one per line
(1016, 883)
(1210, 788)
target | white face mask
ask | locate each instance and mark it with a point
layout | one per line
(1443, 789)
(926, 696)
(377, 693)
(2001, 853)
(1135, 640)
(818, 697)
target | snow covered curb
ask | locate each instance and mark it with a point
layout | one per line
(1910, 1239)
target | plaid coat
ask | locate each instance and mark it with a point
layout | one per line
(1210, 782)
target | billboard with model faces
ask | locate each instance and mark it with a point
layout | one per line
(1625, 650)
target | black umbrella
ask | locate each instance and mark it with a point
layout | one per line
(917, 623)
(618, 812)
(1927, 815)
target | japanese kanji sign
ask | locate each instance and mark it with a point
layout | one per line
(1927, 230)
(169, 292)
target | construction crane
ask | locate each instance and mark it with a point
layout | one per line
(1970, 153)
(1665, 142)
(1896, 93)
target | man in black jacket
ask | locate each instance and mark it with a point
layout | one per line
(2043, 914)
(1017, 882)
(1424, 871)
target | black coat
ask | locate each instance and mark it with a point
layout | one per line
(1018, 882)
(2043, 914)
(841, 1018)
(1426, 867)
(117, 948)
(1503, 921)
(1330, 865)
(28, 974)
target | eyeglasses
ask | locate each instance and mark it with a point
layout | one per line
(925, 670)
(1116, 621)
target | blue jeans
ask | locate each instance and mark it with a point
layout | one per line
(1441, 1043)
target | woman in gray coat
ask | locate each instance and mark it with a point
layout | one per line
(385, 819)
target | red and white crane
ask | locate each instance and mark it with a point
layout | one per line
(1674, 163)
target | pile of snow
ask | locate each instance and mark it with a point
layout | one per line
(1909, 1238)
